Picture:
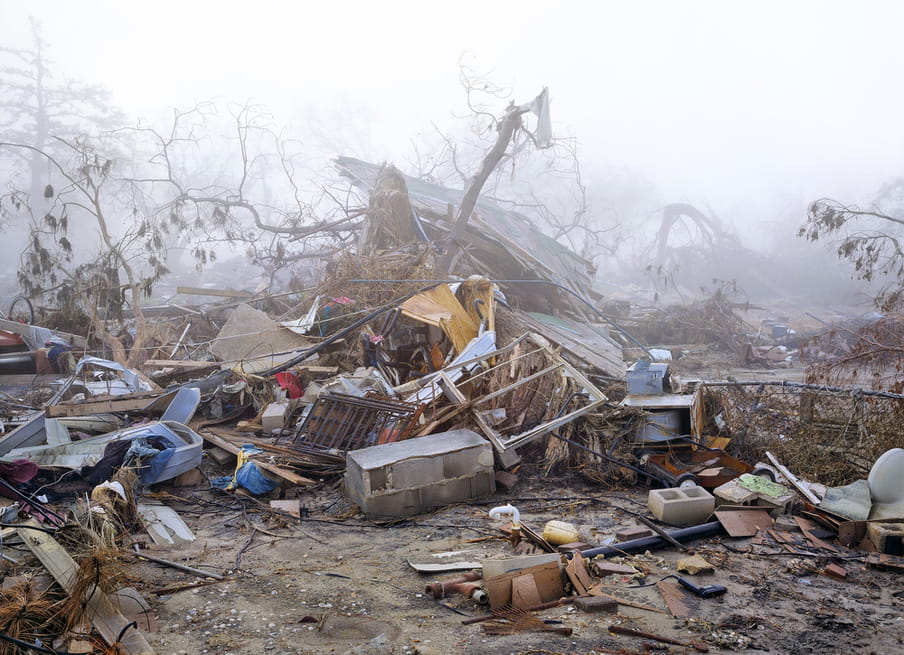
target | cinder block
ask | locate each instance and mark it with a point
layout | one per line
(417, 471)
(887, 537)
(407, 477)
(466, 462)
(731, 493)
(681, 505)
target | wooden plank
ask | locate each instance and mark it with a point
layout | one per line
(108, 405)
(576, 570)
(792, 479)
(219, 293)
(743, 523)
(524, 591)
(680, 604)
(278, 471)
(24, 329)
(547, 577)
(107, 620)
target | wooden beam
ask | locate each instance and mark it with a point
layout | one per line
(220, 293)
(107, 620)
(108, 405)
(21, 328)
(278, 471)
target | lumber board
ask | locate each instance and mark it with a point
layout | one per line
(110, 405)
(105, 617)
(220, 293)
(22, 329)
(278, 471)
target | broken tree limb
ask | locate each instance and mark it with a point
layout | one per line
(176, 565)
(619, 630)
(662, 533)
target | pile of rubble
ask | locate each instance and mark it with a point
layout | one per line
(399, 396)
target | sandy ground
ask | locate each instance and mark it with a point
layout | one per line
(335, 583)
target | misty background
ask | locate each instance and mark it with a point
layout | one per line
(748, 112)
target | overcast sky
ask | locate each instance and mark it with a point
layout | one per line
(738, 105)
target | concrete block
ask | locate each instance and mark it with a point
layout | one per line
(466, 462)
(887, 536)
(274, 417)
(407, 477)
(416, 472)
(731, 493)
(681, 505)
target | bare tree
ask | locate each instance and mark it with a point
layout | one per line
(870, 238)
(36, 107)
(142, 207)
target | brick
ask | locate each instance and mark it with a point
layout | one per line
(731, 493)
(506, 480)
(681, 505)
(597, 604)
(835, 571)
(635, 532)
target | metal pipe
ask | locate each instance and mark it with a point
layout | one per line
(634, 545)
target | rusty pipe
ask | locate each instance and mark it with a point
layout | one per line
(436, 588)
(459, 586)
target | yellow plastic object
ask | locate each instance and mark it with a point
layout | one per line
(560, 532)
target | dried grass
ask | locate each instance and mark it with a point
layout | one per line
(830, 438)
(27, 613)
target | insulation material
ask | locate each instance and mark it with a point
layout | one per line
(439, 307)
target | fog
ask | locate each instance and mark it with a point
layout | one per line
(749, 111)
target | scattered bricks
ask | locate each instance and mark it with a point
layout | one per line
(835, 571)
(681, 506)
(887, 536)
(598, 604)
(572, 547)
(506, 480)
(636, 532)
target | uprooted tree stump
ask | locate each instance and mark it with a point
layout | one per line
(388, 222)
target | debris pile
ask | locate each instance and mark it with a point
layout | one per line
(398, 394)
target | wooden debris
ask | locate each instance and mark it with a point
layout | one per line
(107, 620)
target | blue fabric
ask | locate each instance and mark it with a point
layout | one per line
(248, 477)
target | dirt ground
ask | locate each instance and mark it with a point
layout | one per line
(332, 582)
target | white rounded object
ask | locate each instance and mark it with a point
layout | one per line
(886, 478)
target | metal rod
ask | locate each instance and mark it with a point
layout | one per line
(176, 565)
